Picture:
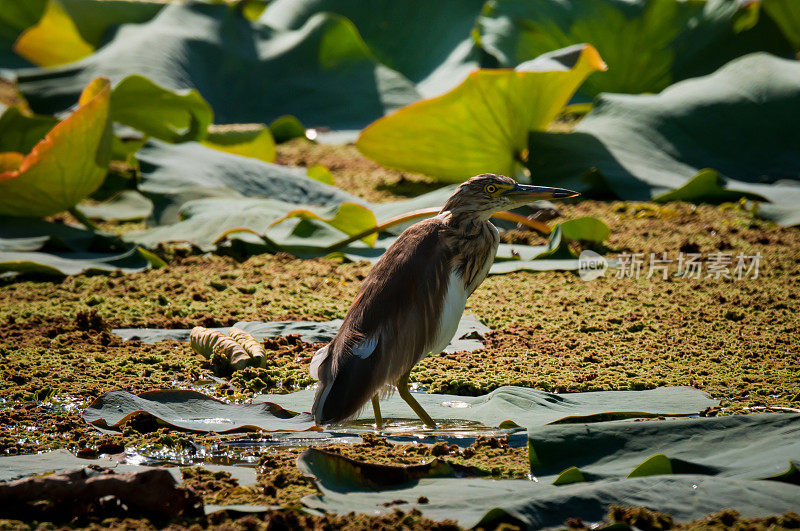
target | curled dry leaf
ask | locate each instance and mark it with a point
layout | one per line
(239, 348)
(250, 345)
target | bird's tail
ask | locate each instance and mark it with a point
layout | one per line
(346, 383)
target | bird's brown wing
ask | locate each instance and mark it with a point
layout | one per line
(390, 325)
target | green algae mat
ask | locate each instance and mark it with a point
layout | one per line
(686, 467)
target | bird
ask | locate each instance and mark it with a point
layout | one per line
(410, 303)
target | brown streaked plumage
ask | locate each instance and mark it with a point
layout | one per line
(410, 303)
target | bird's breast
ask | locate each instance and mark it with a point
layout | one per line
(455, 299)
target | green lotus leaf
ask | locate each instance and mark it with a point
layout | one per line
(246, 140)
(350, 218)
(642, 147)
(111, 410)
(786, 14)
(647, 44)
(172, 116)
(172, 174)
(125, 149)
(585, 229)
(35, 246)
(430, 43)
(248, 72)
(342, 473)
(286, 127)
(127, 205)
(86, 21)
(705, 187)
(483, 124)
(571, 475)
(47, 264)
(724, 463)
(656, 465)
(21, 131)
(320, 173)
(67, 165)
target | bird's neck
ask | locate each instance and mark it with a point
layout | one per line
(474, 241)
(466, 228)
(466, 223)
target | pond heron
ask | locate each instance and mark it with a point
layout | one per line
(411, 302)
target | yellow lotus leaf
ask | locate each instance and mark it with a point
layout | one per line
(54, 40)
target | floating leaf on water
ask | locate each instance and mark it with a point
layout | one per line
(704, 187)
(338, 472)
(194, 411)
(585, 229)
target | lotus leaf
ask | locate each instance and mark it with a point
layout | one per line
(67, 165)
(706, 465)
(172, 116)
(20, 130)
(481, 126)
(786, 14)
(350, 218)
(531, 408)
(430, 43)
(647, 44)
(641, 147)
(248, 72)
(246, 140)
(54, 40)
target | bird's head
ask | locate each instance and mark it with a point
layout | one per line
(485, 194)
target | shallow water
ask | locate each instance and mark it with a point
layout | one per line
(245, 451)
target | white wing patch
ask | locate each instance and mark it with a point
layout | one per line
(316, 361)
(365, 347)
(362, 350)
(452, 307)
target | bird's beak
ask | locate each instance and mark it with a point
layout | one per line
(523, 193)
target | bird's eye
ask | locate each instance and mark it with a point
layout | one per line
(490, 189)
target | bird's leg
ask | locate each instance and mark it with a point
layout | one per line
(405, 394)
(376, 407)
